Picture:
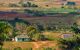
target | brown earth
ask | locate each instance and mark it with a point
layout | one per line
(34, 45)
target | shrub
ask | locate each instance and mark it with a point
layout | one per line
(18, 48)
(48, 48)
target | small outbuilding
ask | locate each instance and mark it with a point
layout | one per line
(22, 38)
(67, 35)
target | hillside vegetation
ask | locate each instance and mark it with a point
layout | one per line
(41, 36)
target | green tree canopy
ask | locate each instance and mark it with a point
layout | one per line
(5, 31)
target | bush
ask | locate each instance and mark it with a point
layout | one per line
(18, 48)
(29, 4)
(48, 48)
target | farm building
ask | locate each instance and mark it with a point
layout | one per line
(67, 35)
(22, 38)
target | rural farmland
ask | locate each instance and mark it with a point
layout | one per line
(39, 25)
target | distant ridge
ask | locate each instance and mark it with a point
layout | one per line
(41, 3)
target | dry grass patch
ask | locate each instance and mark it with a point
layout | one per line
(34, 45)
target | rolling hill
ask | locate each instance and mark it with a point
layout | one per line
(41, 3)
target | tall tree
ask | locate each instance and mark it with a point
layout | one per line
(5, 31)
(75, 28)
(31, 30)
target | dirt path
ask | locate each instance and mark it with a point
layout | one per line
(43, 44)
